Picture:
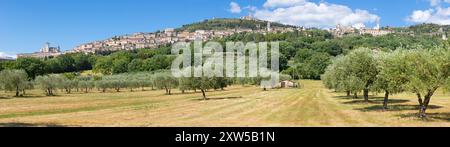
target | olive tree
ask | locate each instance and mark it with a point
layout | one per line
(14, 80)
(338, 77)
(116, 82)
(67, 84)
(133, 84)
(185, 84)
(86, 85)
(48, 83)
(421, 71)
(428, 71)
(165, 80)
(143, 80)
(447, 86)
(362, 65)
(29, 85)
(203, 84)
(103, 85)
(390, 78)
(202, 79)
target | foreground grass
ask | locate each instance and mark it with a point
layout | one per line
(237, 106)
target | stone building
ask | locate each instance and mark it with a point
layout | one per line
(44, 52)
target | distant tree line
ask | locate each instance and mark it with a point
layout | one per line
(111, 63)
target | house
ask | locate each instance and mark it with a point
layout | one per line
(287, 84)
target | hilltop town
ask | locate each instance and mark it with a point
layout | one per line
(220, 28)
(171, 35)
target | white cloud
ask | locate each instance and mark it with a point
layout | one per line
(310, 14)
(282, 3)
(437, 14)
(420, 16)
(438, 2)
(251, 8)
(235, 8)
(3, 55)
(435, 2)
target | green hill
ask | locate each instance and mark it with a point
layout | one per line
(228, 23)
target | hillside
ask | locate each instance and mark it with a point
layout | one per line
(230, 23)
(425, 29)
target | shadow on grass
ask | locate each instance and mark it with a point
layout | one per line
(29, 125)
(4, 98)
(376, 101)
(346, 97)
(220, 98)
(359, 97)
(185, 93)
(27, 97)
(35, 97)
(399, 107)
(430, 116)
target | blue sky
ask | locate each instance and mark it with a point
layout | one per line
(25, 25)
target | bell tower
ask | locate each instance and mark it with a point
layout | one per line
(46, 48)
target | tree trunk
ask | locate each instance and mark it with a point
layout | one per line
(204, 94)
(423, 108)
(366, 95)
(348, 93)
(426, 102)
(419, 98)
(50, 92)
(355, 95)
(386, 100)
(17, 91)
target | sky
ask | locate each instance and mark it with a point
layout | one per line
(25, 25)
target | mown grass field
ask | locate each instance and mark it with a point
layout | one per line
(235, 107)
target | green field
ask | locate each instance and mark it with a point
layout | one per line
(313, 105)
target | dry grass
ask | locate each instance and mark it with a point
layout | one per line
(237, 106)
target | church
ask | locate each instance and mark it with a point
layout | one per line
(45, 52)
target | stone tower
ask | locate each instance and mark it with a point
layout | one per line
(46, 48)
